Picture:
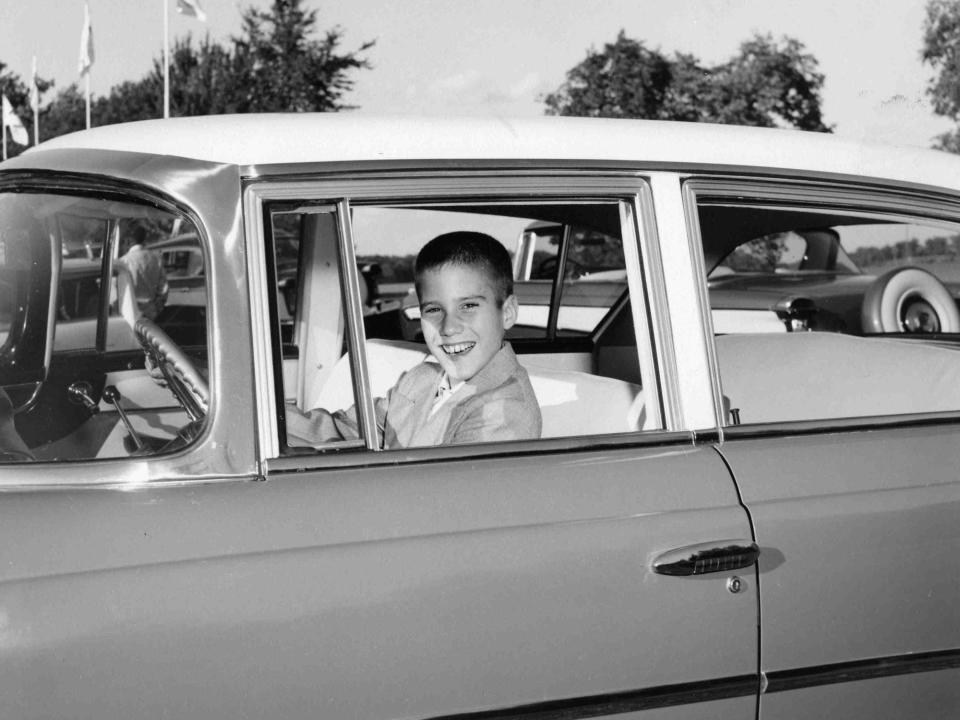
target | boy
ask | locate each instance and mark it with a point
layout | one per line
(476, 391)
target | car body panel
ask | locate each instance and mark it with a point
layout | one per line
(350, 590)
(864, 509)
(210, 192)
(497, 580)
(264, 145)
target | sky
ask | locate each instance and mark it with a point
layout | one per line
(499, 57)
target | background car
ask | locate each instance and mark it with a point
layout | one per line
(777, 262)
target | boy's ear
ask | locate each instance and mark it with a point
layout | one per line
(510, 309)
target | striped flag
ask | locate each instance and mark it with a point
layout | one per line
(86, 43)
(18, 133)
(191, 8)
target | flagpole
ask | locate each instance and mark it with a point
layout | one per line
(35, 102)
(86, 78)
(166, 59)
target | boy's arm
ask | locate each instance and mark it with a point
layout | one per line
(319, 426)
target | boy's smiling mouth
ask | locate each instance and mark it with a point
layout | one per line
(458, 348)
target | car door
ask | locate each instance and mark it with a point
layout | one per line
(499, 579)
(212, 577)
(845, 448)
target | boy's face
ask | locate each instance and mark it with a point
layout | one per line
(462, 323)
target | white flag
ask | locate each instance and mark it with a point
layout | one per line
(191, 8)
(86, 43)
(18, 133)
(34, 90)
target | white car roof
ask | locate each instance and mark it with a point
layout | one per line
(266, 139)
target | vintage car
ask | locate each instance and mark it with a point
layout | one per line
(742, 504)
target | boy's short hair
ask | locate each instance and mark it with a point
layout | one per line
(473, 249)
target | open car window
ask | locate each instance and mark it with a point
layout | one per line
(573, 336)
(826, 310)
(78, 274)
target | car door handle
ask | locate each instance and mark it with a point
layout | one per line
(719, 556)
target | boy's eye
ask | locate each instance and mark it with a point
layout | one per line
(430, 311)
(469, 305)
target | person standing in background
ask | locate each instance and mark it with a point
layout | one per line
(145, 273)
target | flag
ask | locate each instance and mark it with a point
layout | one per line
(86, 43)
(191, 8)
(34, 90)
(18, 133)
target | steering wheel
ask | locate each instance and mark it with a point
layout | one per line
(176, 370)
(909, 300)
(548, 268)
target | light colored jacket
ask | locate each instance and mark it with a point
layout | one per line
(497, 403)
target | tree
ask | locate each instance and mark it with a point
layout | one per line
(66, 113)
(280, 67)
(941, 50)
(768, 84)
(18, 93)
(274, 66)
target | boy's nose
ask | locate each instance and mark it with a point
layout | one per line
(450, 325)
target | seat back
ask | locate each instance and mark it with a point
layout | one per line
(571, 402)
(812, 376)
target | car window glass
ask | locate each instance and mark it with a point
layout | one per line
(95, 398)
(569, 276)
(827, 313)
(308, 316)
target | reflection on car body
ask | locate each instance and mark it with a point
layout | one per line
(744, 499)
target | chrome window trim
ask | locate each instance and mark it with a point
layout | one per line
(220, 462)
(641, 255)
(840, 425)
(264, 393)
(668, 440)
(696, 252)
(356, 335)
(386, 187)
(285, 172)
(864, 200)
(688, 371)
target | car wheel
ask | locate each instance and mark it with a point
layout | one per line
(909, 300)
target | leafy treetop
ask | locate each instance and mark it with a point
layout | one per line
(768, 84)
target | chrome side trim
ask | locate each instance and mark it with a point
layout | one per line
(834, 425)
(663, 442)
(890, 666)
(618, 703)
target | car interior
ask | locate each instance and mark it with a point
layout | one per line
(574, 334)
(77, 385)
(89, 394)
(829, 354)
